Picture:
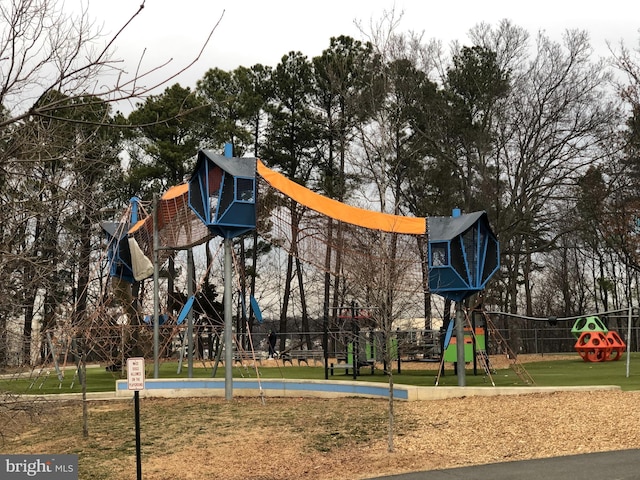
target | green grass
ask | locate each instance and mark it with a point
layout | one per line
(45, 381)
(574, 372)
(577, 372)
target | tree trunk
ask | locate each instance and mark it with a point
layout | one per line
(303, 304)
(29, 301)
(30, 294)
(335, 302)
(84, 270)
(327, 290)
(527, 285)
(424, 263)
(515, 324)
(285, 303)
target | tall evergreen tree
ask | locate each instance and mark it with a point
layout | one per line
(291, 145)
(342, 74)
(166, 135)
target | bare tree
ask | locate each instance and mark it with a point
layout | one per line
(551, 129)
(44, 48)
(57, 70)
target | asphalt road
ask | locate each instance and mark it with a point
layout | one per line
(619, 465)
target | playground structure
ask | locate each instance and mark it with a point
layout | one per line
(220, 200)
(464, 254)
(470, 347)
(595, 342)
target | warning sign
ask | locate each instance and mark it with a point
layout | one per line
(135, 373)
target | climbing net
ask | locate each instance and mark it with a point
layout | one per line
(178, 226)
(378, 268)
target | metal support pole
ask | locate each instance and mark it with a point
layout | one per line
(156, 294)
(355, 346)
(460, 360)
(325, 327)
(190, 275)
(629, 316)
(228, 322)
(136, 406)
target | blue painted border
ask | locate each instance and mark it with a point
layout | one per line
(345, 388)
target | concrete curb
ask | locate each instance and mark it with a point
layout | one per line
(167, 388)
(185, 387)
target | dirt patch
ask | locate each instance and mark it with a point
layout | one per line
(295, 438)
(496, 361)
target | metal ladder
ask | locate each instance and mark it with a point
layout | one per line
(516, 365)
(483, 360)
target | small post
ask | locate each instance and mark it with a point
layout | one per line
(136, 403)
(355, 344)
(135, 381)
(325, 327)
(629, 338)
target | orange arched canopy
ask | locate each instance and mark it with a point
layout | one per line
(339, 211)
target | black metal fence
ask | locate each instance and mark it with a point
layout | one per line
(427, 343)
(409, 344)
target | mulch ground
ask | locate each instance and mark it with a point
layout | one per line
(321, 439)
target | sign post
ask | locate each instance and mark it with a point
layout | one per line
(135, 382)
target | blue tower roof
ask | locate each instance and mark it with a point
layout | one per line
(463, 254)
(222, 192)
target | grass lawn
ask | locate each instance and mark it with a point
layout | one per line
(573, 372)
(578, 372)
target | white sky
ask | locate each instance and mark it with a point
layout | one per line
(262, 31)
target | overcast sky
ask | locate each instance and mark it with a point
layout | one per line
(262, 31)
